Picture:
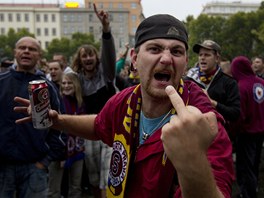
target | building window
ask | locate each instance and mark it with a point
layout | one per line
(2, 31)
(111, 17)
(121, 43)
(72, 18)
(54, 32)
(65, 18)
(18, 29)
(80, 17)
(100, 5)
(80, 29)
(72, 29)
(38, 18)
(90, 5)
(18, 17)
(90, 17)
(121, 30)
(46, 44)
(46, 32)
(38, 32)
(133, 5)
(91, 30)
(53, 18)
(2, 17)
(133, 18)
(45, 18)
(120, 17)
(26, 17)
(10, 17)
(134, 29)
(111, 5)
(65, 30)
(120, 5)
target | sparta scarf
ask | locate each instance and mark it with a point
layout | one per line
(124, 149)
(207, 78)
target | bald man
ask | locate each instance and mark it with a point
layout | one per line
(25, 152)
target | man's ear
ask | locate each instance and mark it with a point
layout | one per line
(133, 56)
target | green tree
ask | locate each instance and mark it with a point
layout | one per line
(203, 28)
(69, 46)
(240, 34)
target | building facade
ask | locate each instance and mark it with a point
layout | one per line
(226, 9)
(50, 21)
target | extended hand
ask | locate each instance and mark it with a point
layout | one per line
(26, 109)
(189, 133)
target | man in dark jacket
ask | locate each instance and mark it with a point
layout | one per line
(25, 152)
(221, 89)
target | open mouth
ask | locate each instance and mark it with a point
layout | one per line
(25, 58)
(162, 77)
(88, 62)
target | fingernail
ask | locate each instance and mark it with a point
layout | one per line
(169, 89)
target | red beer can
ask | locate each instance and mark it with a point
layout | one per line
(40, 104)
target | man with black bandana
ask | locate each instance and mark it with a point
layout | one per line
(167, 138)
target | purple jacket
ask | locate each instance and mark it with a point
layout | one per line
(251, 90)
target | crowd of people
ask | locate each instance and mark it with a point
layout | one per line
(142, 126)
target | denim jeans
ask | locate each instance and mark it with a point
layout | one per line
(22, 181)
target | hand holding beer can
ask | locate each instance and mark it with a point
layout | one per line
(40, 104)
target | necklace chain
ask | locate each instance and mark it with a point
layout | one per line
(145, 135)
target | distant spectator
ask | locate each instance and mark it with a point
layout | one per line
(120, 62)
(59, 57)
(221, 89)
(71, 92)
(226, 67)
(133, 78)
(62, 58)
(97, 75)
(5, 64)
(43, 66)
(258, 66)
(56, 72)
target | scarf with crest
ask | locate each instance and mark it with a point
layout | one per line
(127, 144)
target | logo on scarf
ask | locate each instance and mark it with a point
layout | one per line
(118, 166)
(258, 91)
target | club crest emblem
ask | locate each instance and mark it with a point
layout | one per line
(258, 91)
(118, 166)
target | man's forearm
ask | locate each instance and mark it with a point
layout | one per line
(79, 125)
(196, 179)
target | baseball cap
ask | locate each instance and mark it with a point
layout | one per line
(207, 44)
(161, 26)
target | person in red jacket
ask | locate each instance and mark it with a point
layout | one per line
(250, 126)
(167, 138)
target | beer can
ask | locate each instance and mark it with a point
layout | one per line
(40, 104)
